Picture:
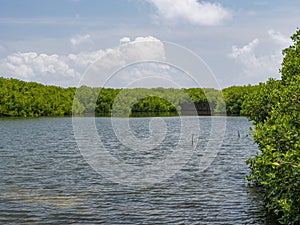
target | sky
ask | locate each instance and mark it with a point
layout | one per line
(56, 42)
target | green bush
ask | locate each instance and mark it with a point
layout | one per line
(275, 110)
(235, 96)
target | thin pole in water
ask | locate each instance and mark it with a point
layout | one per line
(192, 139)
(239, 134)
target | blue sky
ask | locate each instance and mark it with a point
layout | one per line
(54, 42)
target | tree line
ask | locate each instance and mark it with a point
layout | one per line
(30, 99)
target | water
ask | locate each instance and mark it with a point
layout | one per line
(45, 179)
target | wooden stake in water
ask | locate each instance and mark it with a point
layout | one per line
(193, 140)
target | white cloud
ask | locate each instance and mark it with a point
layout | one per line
(245, 50)
(79, 39)
(259, 67)
(280, 38)
(84, 59)
(142, 48)
(44, 68)
(256, 67)
(106, 69)
(151, 74)
(124, 40)
(192, 11)
(67, 69)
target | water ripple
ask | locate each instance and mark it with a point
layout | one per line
(45, 180)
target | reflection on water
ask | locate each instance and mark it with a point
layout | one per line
(44, 197)
(45, 180)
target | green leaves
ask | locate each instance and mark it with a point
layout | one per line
(30, 99)
(275, 109)
(291, 61)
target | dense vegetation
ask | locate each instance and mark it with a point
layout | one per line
(275, 109)
(235, 96)
(30, 99)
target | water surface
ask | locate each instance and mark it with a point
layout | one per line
(45, 180)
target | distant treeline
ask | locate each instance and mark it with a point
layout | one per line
(30, 99)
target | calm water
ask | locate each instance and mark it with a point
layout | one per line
(45, 179)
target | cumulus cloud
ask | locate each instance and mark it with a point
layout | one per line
(258, 67)
(32, 66)
(105, 71)
(79, 39)
(280, 38)
(124, 40)
(84, 59)
(191, 11)
(142, 48)
(67, 69)
(245, 50)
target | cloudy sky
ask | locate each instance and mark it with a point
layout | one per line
(55, 41)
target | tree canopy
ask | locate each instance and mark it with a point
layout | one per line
(29, 99)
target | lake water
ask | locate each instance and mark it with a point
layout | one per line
(45, 178)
